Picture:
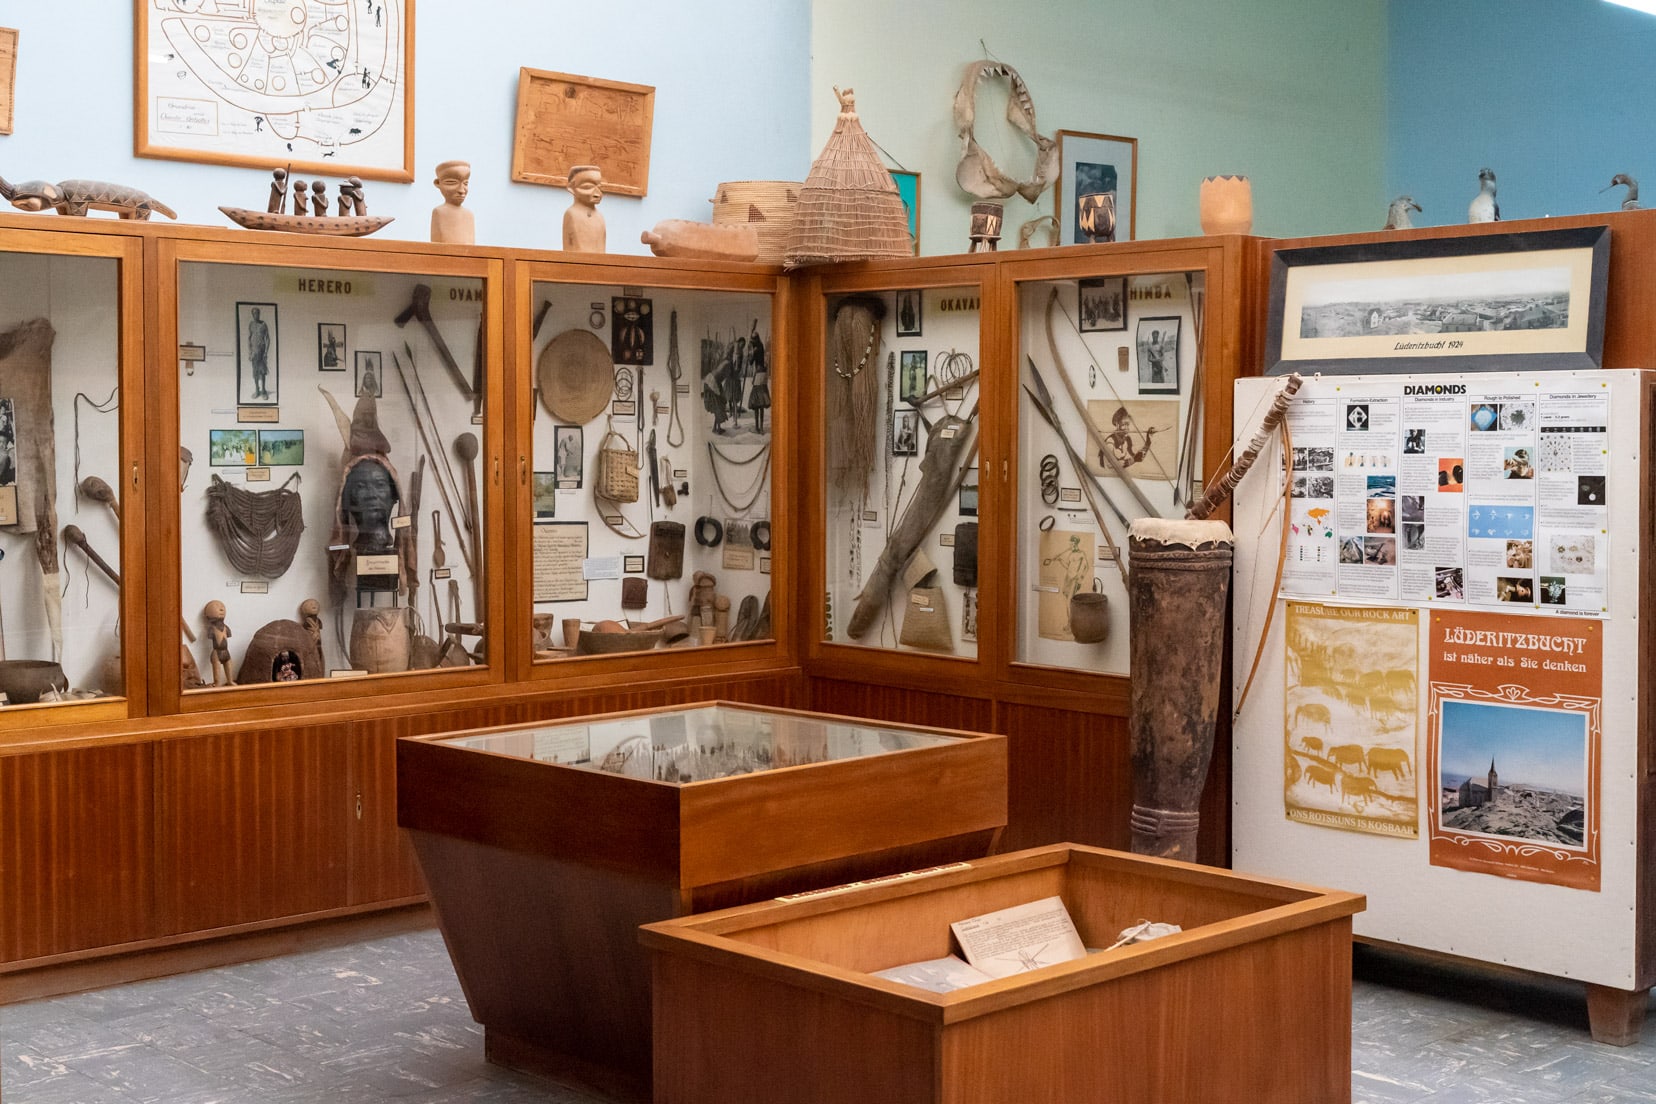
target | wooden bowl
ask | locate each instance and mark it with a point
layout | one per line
(611, 643)
(24, 680)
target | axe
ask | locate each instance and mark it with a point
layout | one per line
(420, 308)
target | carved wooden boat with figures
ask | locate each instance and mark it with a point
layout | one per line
(339, 226)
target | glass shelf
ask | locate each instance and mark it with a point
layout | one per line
(701, 743)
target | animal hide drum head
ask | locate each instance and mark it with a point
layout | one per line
(576, 376)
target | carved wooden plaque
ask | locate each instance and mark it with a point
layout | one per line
(8, 74)
(564, 120)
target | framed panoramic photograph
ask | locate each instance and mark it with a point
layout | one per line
(1094, 196)
(910, 311)
(908, 188)
(257, 373)
(1158, 355)
(1478, 303)
(316, 87)
(1103, 303)
(330, 346)
(370, 376)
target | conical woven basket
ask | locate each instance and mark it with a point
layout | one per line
(766, 205)
(849, 209)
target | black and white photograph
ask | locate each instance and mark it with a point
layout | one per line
(1450, 583)
(1414, 442)
(1313, 458)
(910, 312)
(1446, 303)
(568, 456)
(905, 433)
(1414, 537)
(1589, 490)
(330, 347)
(370, 374)
(1103, 304)
(8, 443)
(256, 355)
(1312, 486)
(969, 499)
(911, 375)
(1553, 592)
(1158, 356)
(1412, 507)
(1356, 417)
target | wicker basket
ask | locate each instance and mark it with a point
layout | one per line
(617, 469)
(766, 205)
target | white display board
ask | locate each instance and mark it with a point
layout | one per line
(1336, 731)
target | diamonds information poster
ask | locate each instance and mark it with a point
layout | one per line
(1474, 494)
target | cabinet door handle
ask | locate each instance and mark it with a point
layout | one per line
(135, 475)
(497, 470)
(523, 470)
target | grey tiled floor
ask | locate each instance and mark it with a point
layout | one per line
(384, 1021)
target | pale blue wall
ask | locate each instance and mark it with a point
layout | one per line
(1557, 96)
(731, 104)
(1290, 92)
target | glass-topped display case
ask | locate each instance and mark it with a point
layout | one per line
(702, 743)
(1109, 430)
(546, 845)
(333, 469)
(66, 465)
(900, 420)
(653, 464)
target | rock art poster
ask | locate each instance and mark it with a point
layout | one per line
(1350, 727)
(1513, 745)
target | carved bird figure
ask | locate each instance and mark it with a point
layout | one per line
(1397, 215)
(1630, 202)
(1483, 207)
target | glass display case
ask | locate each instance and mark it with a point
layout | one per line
(653, 461)
(332, 471)
(900, 421)
(702, 743)
(64, 467)
(1110, 413)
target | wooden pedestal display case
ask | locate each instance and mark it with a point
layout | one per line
(546, 846)
(776, 1001)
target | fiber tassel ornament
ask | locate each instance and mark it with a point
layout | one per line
(853, 394)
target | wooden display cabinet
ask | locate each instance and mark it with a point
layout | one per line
(776, 1002)
(546, 846)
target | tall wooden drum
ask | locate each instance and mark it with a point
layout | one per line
(1178, 581)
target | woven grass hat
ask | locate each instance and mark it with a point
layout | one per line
(576, 376)
(849, 209)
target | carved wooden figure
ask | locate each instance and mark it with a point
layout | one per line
(218, 634)
(451, 222)
(583, 226)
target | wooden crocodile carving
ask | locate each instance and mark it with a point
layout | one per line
(76, 197)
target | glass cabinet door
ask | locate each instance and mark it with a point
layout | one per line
(331, 472)
(652, 468)
(900, 444)
(62, 473)
(1109, 430)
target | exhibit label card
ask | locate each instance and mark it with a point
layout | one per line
(1020, 938)
(1513, 746)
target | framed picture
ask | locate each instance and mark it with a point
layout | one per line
(257, 374)
(330, 346)
(905, 432)
(318, 89)
(632, 330)
(910, 313)
(969, 497)
(8, 76)
(1103, 304)
(908, 188)
(281, 448)
(1481, 302)
(565, 120)
(911, 375)
(1157, 340)
(568, 456)
(546, 494)
(370, 375)
(1096, 189)
(232, 448)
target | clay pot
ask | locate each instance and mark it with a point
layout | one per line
(1227, 205)
(571, 631)
(1089, 617)
(24, 680)
(380, 642)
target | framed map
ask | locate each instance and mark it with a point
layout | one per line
(321, 86)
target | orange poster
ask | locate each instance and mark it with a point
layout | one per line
(1514, 730)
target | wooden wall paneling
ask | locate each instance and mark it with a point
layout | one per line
(901, 704)
(76, 835)
(251, 825)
